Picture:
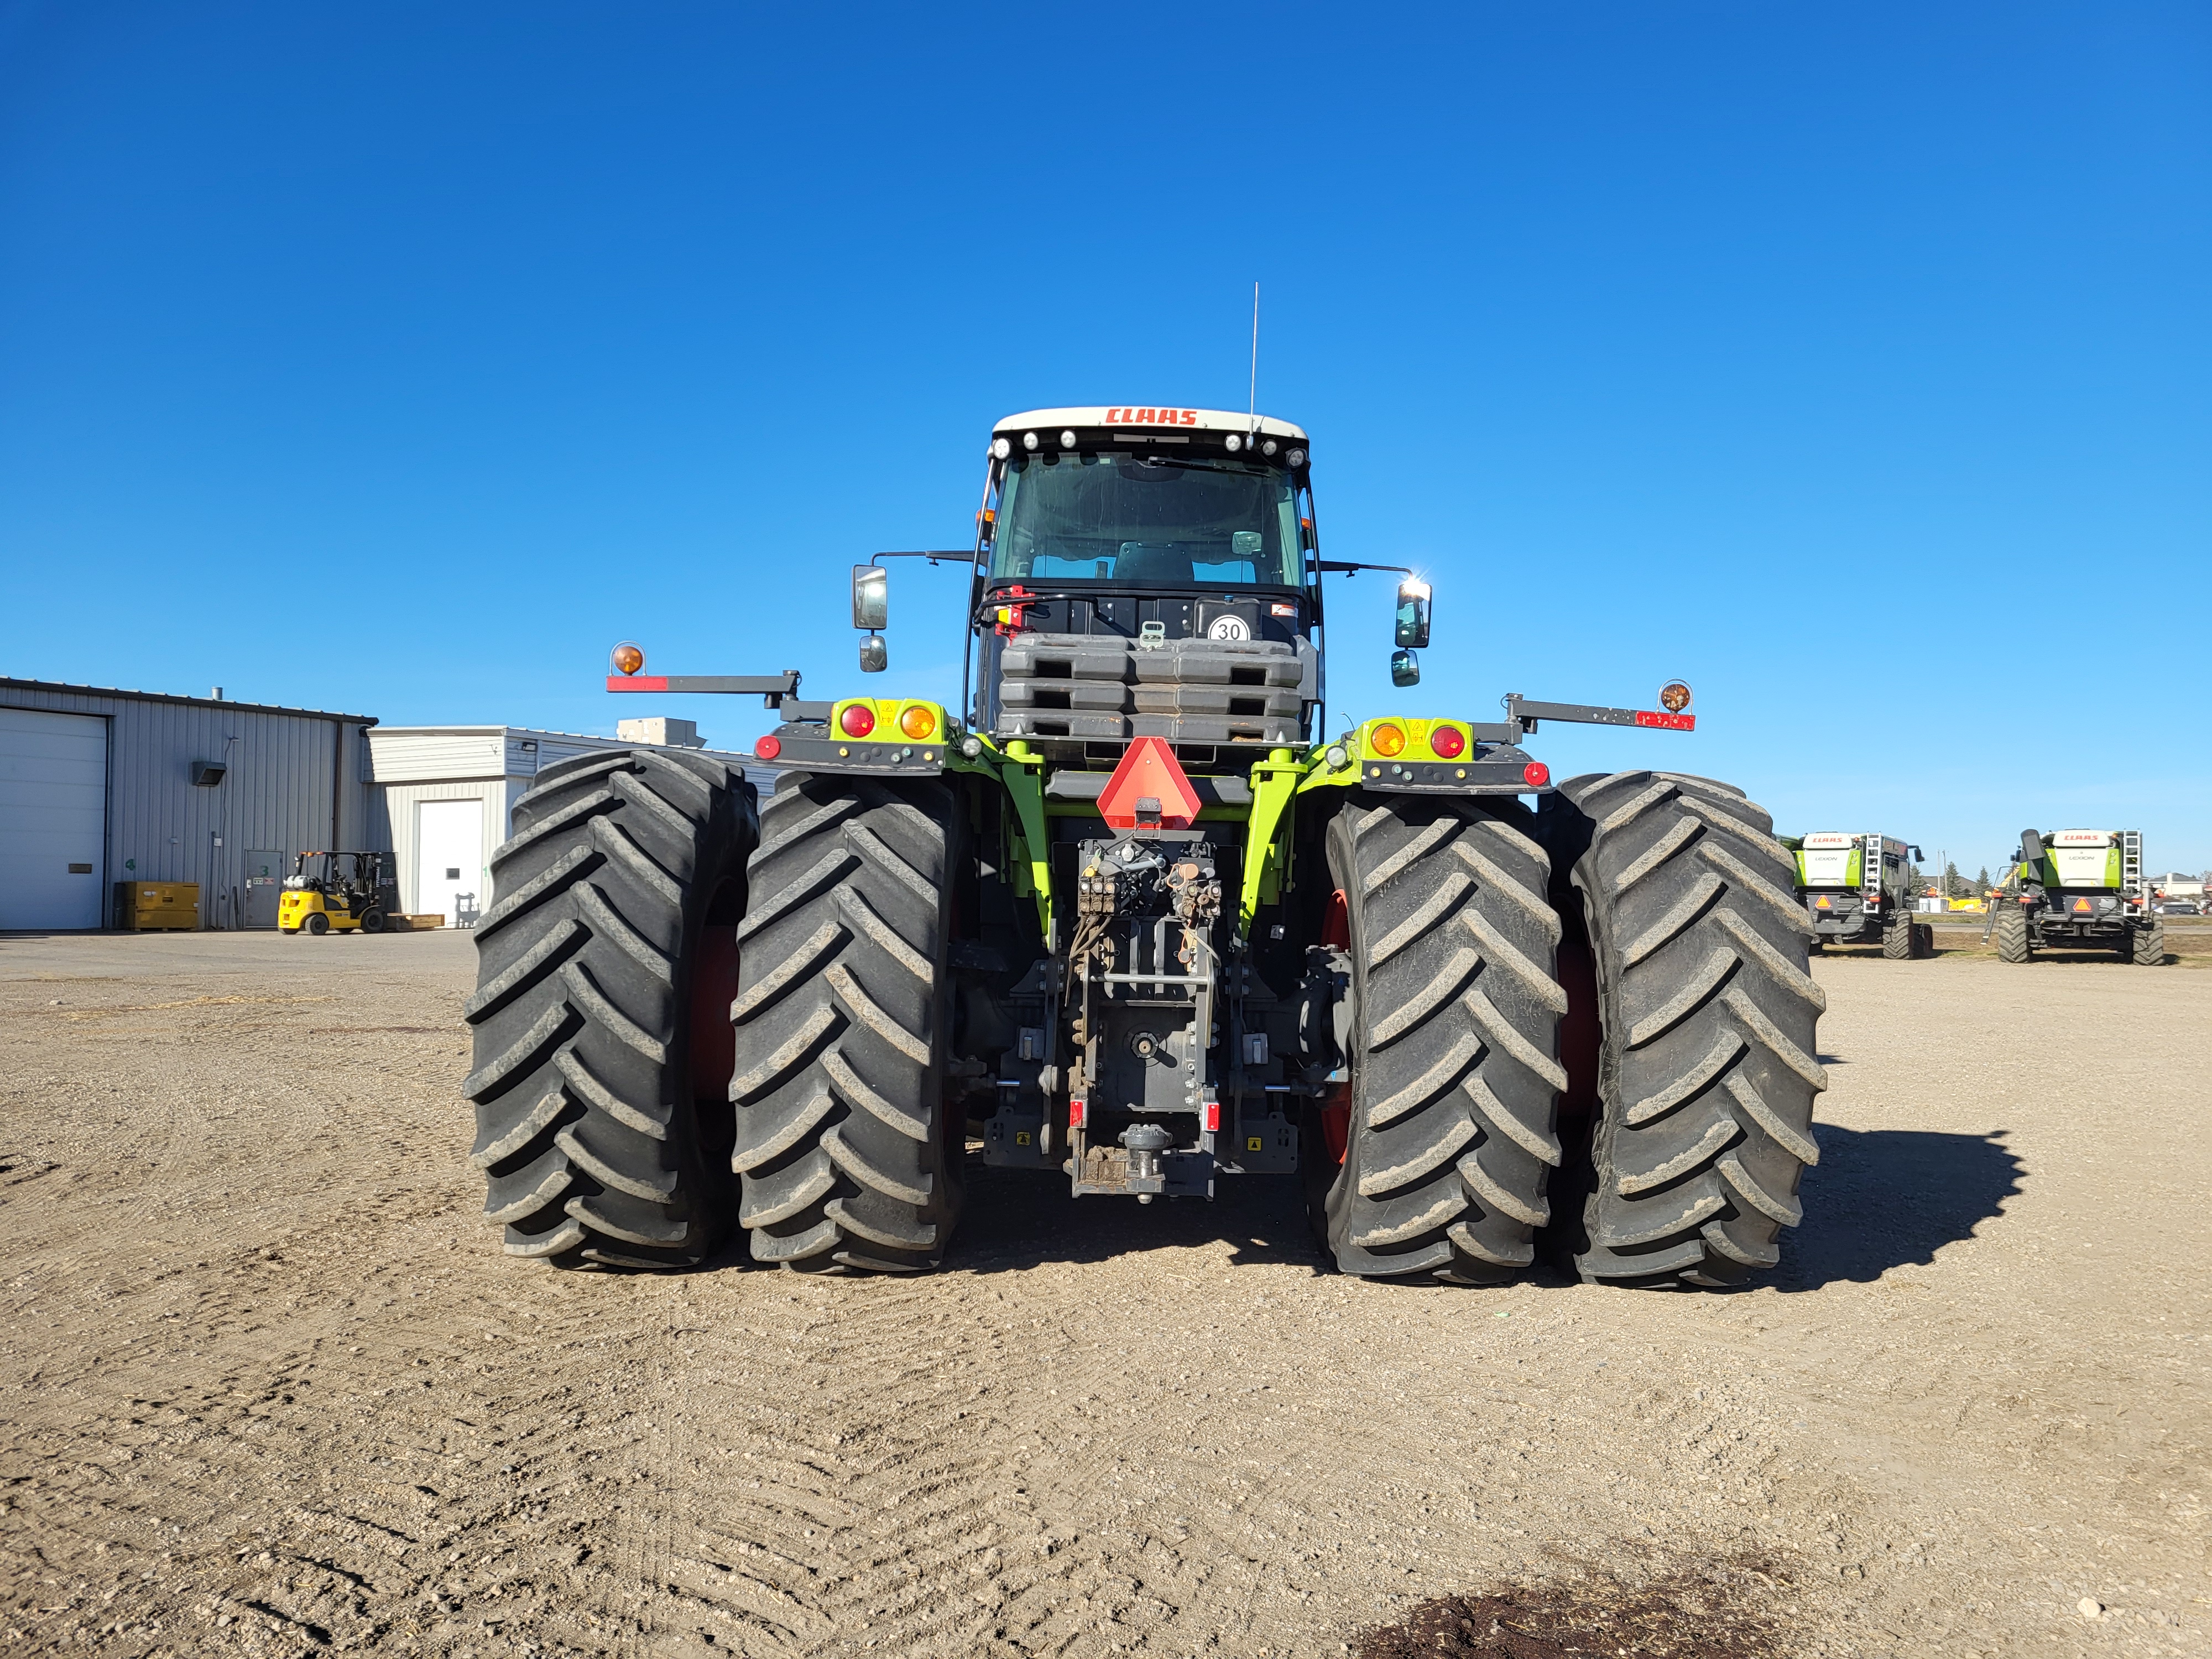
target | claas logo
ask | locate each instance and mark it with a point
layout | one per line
(1152, 418)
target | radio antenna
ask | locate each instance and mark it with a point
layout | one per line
(1252, 410)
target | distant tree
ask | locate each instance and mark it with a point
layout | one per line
(1954, 885)
(1982, 881)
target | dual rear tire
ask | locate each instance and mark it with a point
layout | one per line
(601, 1067)
(1589, 1033)
(693, 1014)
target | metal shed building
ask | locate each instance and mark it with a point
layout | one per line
(443, 799)
(100, 786)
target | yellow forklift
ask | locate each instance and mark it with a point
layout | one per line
(350, 892)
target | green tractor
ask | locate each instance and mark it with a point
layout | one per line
(1857, 889)
(1130, 916)
(2078, 889)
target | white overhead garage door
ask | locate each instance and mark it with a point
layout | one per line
(53, 818)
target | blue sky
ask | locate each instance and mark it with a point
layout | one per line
(1856, 365)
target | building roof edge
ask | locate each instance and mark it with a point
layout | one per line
(9, 682)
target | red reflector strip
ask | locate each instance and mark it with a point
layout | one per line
(1212, 1114)
(637, 682)
(1075, 1114)
(1668, 722)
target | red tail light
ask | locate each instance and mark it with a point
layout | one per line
(857, 722)
(1536, 774)
(768, 747)
(1447, 743)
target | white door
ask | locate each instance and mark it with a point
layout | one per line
(53, 818)
(449, 859)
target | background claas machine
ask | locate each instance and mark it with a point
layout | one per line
(1131, 915)
(339, 892)
(1857, 889)
(2078, 889)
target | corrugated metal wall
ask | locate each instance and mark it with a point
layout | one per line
(413, 755)
(286, 769)
(408, 754)
(416, 765)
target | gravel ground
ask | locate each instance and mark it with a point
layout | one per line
(267, 1385)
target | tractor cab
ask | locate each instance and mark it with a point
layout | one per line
(350, 892)
(1146, 571)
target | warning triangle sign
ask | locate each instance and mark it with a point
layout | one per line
(1149, 790)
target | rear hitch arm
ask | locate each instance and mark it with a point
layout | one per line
(1521, 717)
(776, 691)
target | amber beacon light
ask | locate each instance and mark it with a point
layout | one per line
(628, 658)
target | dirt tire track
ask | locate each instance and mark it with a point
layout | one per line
(264, 1384)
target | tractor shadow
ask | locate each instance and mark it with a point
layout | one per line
(1881, 1198)
(1878, 1199)
(1018, 1219)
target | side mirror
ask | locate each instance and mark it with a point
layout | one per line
(1917, 856)
(1405, 666)
(1412, 618)
(874, 656)
(871, 596)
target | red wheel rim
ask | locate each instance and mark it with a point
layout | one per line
(714, 987)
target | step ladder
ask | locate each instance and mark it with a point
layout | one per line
(2131, 870)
